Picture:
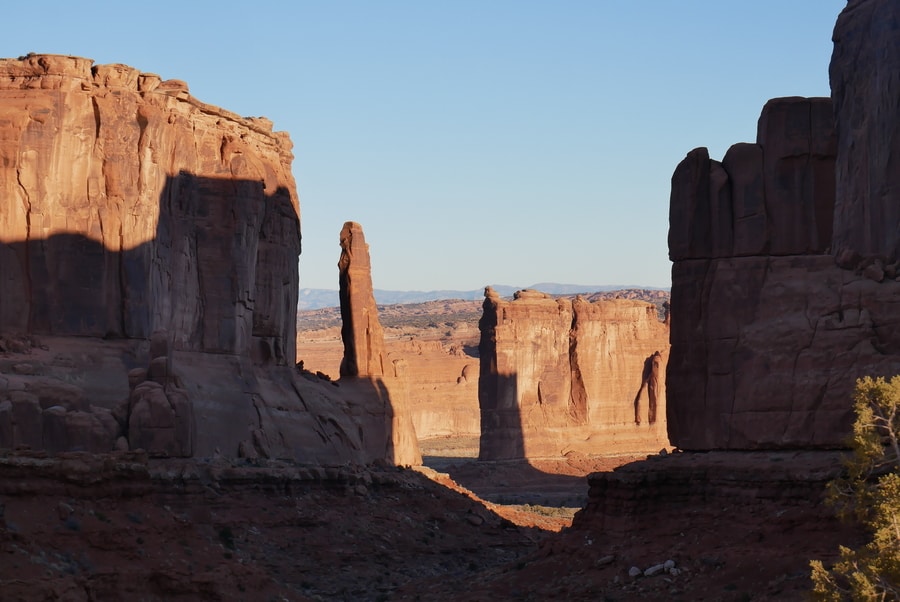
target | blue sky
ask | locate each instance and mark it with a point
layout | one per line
(476, 141)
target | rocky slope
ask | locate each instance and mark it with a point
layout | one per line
(122, 526)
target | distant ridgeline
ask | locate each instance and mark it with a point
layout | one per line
(410, 313)
(317, 298)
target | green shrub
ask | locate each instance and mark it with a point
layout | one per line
(869, 493)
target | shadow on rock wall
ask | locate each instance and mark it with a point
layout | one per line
(502, 437)
(193, 328)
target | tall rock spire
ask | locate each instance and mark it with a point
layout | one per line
(361, 332)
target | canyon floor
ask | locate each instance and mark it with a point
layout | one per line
(114, 527)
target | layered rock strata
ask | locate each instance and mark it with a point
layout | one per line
(558, 375)
(144, 230)
(784, 286)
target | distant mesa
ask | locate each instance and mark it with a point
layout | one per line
(560, 376)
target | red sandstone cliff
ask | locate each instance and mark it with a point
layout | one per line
(864, 90)
(148, 263)
(769, 334)
(559, 376)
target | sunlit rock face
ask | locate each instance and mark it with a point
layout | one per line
(784, 287)
(361, 332)
(130, 207)
(560, 376)
(148, 261)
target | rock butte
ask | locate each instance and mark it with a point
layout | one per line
(784, 284)
(148, 261)
(560, 376)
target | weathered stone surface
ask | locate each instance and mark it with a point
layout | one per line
(131, 206)
(797, 138)
(775, 197)
(442, 377)
(27, 420)
(768, 340)
(768, 349)
(362, 333)
(160, 416)
(865, 86)
(147, 235)
(443, 388)
(559, 376)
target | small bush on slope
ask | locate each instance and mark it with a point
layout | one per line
(870, 493)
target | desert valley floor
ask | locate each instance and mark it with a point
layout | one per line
(113, 527)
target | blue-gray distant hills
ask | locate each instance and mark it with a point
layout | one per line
(317, 298)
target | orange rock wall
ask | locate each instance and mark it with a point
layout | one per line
(128, 207)
(559, 376)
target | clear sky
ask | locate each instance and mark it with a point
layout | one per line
(476, 141)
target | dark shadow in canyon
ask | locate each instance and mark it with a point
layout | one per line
(502, 473)
(514, 482)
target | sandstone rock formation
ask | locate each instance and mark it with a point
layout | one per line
(769, 334)
(159, 414)
(364, 361)
(439, 361)
(443, 388)
(361, 332)
(131, 210)
(559, 376)
(864, 89)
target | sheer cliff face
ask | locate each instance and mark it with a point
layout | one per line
(559, 376)
(865, 89)
(127, 206)
(151, 242)
(784, 283)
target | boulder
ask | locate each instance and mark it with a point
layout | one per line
(27, 421)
